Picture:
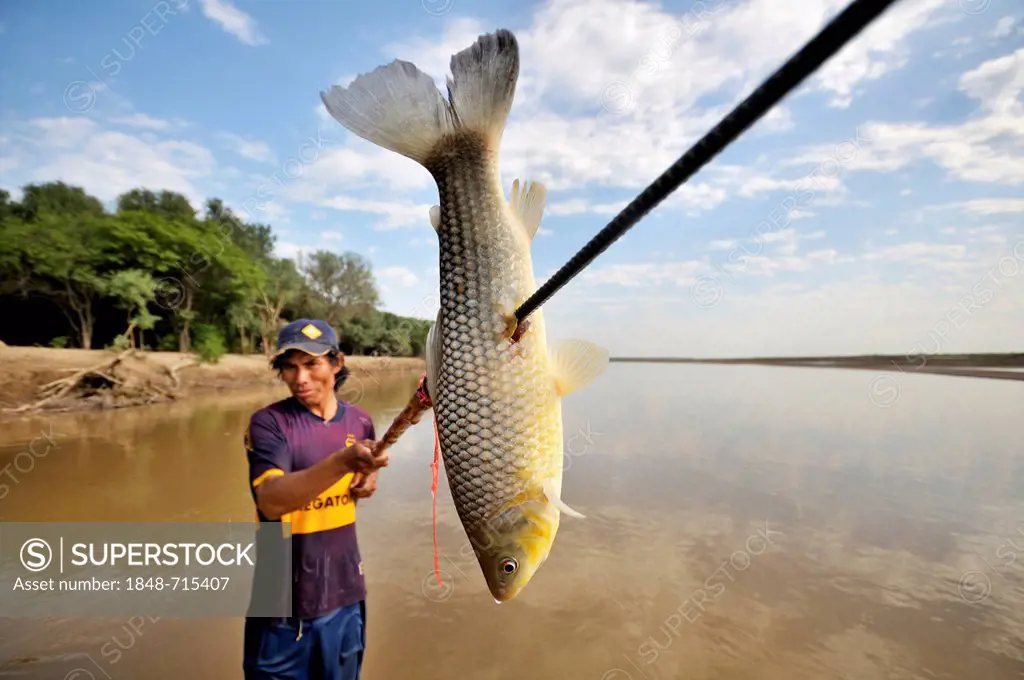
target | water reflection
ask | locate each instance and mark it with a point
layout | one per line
(742, 522)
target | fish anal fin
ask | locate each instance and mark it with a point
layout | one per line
(576, 363)
(556, 500)
(435, 217)
(527, 204)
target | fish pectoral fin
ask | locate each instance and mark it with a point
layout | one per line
(435, 216)
(433, 357)
(577, 363)
(528, 205)
(555, 499)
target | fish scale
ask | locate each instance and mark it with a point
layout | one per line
(496, 396)
(487, 458)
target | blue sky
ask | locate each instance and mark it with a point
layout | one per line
(878, 208)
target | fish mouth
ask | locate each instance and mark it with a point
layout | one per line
(508, 590)
(507, 595)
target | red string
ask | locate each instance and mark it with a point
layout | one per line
(433, 494)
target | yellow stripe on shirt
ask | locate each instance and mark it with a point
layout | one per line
(331, 509)
(272, 472)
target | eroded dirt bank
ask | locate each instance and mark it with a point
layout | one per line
(42, 379)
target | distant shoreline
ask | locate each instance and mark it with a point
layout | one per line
(997, 366)
(154, 377)
(25, 370)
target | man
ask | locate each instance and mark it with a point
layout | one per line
(310, 457)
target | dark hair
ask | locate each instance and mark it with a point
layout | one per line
(340, 377)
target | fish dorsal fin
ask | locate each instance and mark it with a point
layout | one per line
(556, 500)
(435, 216)
(576, 363)
(528, 205)
(433, 352)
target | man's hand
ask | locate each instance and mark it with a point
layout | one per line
(361, 458)
(288, 492)
(363, 485)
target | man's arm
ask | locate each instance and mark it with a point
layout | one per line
(279, 491)
(282, 494)
(364, 485)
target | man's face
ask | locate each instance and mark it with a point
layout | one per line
(310, 379)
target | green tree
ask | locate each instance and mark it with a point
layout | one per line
(283, 286)
(344, 282)
(133, 289)
(168, 204)
(212, 276)
(62, 259)
(57, 198)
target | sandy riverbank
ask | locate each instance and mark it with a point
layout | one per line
(996, 366)
(145, 377)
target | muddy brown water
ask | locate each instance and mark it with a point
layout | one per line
(742, 522)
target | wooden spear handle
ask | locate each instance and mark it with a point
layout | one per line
(418, 403)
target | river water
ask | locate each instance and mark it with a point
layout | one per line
(742, 522)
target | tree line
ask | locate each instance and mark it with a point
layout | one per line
(153, 274)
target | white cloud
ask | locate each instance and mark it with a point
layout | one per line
(402, 276)
(254, 150)
(356, 165)
(107, 163)
(917, 251)
(234, 21)
(977, 306)
(880, 48)
(581, 207)
(641, 100)
(994, 206)
(988, 147)
(141, 120)
(394, 215)
(1004, 27)
(327, 240)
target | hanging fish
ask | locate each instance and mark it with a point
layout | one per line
(496, 389)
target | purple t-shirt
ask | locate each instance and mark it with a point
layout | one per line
(327, 571)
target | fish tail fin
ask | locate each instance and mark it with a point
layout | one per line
(399, 108)
(396, 107)
(483, 84)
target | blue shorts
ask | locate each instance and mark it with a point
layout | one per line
(329, 647)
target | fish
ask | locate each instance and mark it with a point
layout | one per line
(496, 386)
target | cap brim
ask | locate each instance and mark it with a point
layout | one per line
(313, 348)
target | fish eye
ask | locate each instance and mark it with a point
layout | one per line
(509, 565)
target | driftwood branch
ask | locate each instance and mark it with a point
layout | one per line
(52, 391)
(172, 372)
(112, 384)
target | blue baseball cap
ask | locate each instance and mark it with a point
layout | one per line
(312, 336)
